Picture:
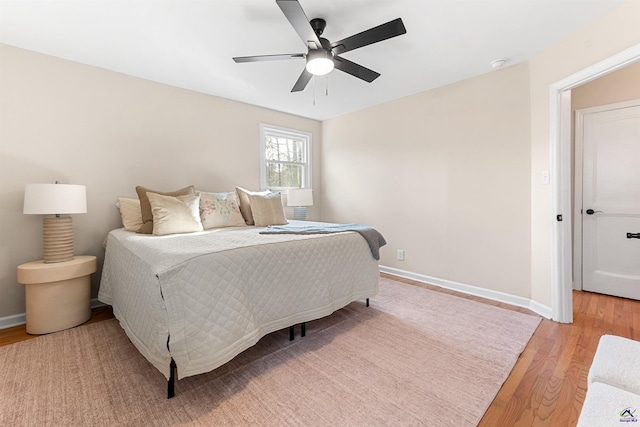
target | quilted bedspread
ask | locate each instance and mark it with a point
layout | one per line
(202, 298)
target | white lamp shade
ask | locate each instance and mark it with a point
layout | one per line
(299, 197)
(45, 199)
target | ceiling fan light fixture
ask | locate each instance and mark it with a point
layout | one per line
(319, 62)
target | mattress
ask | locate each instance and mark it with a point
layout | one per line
(202, 298)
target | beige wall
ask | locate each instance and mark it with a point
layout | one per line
(452, 176)
(390, 166)
(619, 86)
(61, 120)
(605, 37)
(444, 175)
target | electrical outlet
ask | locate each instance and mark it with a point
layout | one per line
(400, 255)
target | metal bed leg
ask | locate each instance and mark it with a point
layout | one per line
(291, 333)
(367, 302)
(171, 391)
(303, 329)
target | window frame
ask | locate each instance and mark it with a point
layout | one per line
(281, 132)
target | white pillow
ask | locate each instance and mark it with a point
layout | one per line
(267, 209)
(130, 213)
(220, 210)
(171, 215)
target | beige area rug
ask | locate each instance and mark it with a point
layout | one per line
(415, 357)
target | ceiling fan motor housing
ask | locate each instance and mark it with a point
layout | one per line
(326, 44)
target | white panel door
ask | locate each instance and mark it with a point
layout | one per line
(611, 202)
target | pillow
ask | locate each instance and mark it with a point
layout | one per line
(130, 213)
(145, 207)
(245, 203)
(172, 215)
(220, 210)
(267, 209)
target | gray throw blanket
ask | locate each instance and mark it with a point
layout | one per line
(372, 236)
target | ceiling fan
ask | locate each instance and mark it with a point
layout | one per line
(322, 55)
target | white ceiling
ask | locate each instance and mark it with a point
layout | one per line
(190, 43)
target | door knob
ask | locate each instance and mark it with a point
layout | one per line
(591, 211)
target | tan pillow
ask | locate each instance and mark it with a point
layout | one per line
(172, 215)
(130, 213)
(145, 207)
(245, 203)
(267, 209)
(220, 210)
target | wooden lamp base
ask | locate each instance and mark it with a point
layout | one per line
(57, 239)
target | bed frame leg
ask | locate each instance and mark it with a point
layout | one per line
(291, 333)
(171, 391)
(303, 329)
(367, 302)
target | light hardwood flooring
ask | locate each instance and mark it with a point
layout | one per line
(548, 383)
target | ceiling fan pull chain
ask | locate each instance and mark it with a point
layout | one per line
(314, 91)
(326, 93)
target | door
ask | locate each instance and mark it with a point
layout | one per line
(611, 202)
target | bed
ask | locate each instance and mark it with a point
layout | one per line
(194, 301)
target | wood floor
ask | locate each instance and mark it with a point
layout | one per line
(548, 383)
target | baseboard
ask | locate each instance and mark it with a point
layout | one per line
(541, 309)
(21, 319)
(498, 296)
(15, 320)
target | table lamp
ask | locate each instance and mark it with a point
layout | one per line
(300, 198)
(57, 232)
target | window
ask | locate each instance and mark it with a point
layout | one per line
(285, 158)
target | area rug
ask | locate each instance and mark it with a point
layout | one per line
(414, 357)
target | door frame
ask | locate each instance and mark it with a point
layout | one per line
(578, 181)
(560, 162)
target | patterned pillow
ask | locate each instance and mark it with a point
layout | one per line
(172, 215)
(220, 210)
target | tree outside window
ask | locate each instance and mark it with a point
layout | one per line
(285, 158)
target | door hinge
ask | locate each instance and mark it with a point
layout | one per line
(559, 218)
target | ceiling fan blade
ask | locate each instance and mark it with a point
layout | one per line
(302, 82)
(354, 69)
(373, 35)
(298, 20)
(259, 58)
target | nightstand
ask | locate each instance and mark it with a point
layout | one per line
(58, 295)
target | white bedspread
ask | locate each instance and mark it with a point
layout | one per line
(202, 298)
